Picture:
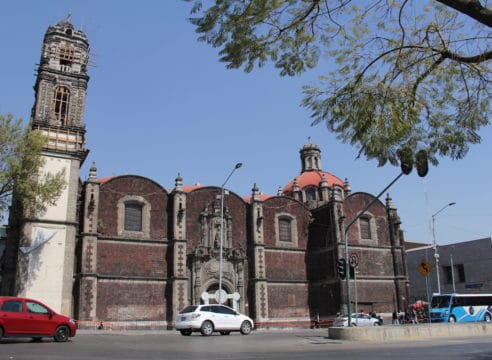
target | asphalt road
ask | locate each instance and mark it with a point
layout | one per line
(284, 345)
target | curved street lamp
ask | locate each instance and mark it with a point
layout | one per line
(436, 253)
(220, 298)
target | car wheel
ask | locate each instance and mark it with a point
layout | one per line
(186, 332)
(487, 317)
(225, 332)
(62, 333)
(452, 319)
(207, 328)
(377, 323)
(1, 332)
(245, 327)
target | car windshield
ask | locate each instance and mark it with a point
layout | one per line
(188, 309)
(440, 301)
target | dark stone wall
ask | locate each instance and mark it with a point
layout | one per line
(132, 259)
(327, 299)
(321, 264)
(321, 229)
(288, 293)
(286, 301)
(130, 300)
(375, 296)
(285, 266)
(373, 262)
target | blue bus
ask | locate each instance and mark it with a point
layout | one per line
(461, 307)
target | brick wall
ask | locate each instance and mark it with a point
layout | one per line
(132, 259)
(356, 202)
(131, 300)
(115, 189)
(283, 205)
(285, 266)
(288, 301)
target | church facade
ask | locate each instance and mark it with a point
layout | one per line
(127, 251)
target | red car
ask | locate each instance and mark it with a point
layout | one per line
(20, 317)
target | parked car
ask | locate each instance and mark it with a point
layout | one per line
(357, 320)
(210, 318)
(20, 317)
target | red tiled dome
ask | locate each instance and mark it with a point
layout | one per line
(313, 178)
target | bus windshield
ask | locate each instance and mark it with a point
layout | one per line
(440, 301)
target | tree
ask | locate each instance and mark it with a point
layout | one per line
(403, 74)
(20, 169)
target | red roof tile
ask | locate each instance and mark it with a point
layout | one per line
(263, 197)
(105, 179)
(313, 178)
(190, 188)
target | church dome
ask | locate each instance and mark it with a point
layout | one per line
(313, 186)
(313, 178)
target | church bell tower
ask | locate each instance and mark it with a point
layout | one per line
(46, 254)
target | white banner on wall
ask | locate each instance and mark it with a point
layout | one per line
(42, 236)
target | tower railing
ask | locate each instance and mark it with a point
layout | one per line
(62, 138)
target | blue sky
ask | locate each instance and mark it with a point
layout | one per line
(160, 102)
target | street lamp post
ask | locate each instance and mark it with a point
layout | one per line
(220, 296)
(436, 253)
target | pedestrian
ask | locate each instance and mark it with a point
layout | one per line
(415, 319)
(394, 320)
(316, 320)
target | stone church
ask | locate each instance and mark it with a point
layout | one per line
(127, 251)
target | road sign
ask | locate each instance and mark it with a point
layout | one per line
(353, 260)
(424, 268)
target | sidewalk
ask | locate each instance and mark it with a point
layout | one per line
(126, 332)
(176, 333)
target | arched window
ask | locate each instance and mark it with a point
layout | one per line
(60, 106)
(133, 216)
(311, 194)
(66, 54)
(365, 228)
(285, 229)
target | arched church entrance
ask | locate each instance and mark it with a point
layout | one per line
(213, 296)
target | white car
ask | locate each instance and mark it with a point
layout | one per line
(210, 318)
(357, 320)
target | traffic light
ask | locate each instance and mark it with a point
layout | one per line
(341, 268)
(406, 160)
(421, 163)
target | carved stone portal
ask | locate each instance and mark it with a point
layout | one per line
(211, 224)
(204, 262)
